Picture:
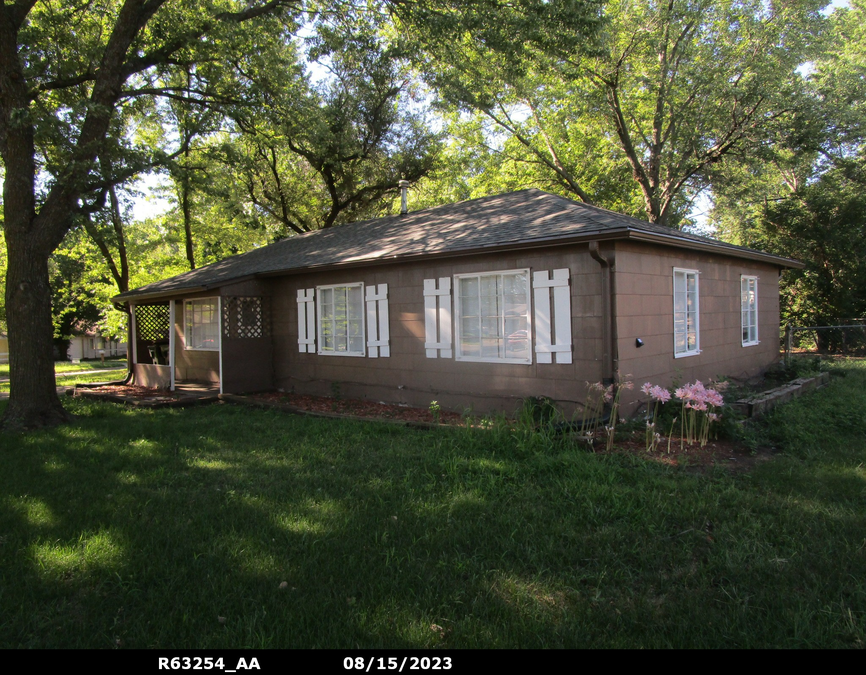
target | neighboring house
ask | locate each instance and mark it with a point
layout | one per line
(479, 303)
(4, 349)
(92, 345)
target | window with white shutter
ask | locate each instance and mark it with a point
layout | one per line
(341, 320)
(492, 317)
(552, 316)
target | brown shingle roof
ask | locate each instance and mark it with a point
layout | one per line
(524, 218)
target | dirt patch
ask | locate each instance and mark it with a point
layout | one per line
(132, 391)
(145, 397)
(358, 408)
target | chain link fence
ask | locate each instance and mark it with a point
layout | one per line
(848, 339)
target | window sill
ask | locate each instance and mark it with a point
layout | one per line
(355, 354)
(514, 362)
(686, 354)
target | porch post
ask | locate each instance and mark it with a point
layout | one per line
(133, 333)
(171, 341)
(220, 337)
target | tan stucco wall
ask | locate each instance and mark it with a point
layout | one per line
(154, 376)
(644, 284)
(408, 376)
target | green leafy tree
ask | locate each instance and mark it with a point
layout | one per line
(671, 90)
(66, 69)
(69, 75)
(75, 303)
(313, 155)
(801, 193)
(194, 115)
(823, 224)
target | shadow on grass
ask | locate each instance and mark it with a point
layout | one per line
(178, 528)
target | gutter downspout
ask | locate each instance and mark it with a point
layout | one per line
(610, 355)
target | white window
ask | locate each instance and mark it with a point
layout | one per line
(686, 319)
(201, 324)
(492, 317)
(341, 320)
(749, 309)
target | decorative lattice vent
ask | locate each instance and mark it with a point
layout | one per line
(246, 317)
(151, 322)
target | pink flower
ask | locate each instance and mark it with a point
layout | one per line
(714, 398)
(660, 394)
(647, 388)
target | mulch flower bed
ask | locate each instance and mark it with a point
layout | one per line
(720, 452)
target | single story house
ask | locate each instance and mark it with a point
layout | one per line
(4, 348)
(479, 303)
(92, 344)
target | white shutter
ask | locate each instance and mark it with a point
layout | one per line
(437, 318)
(552, 320)
(307, 320)
(378, 334)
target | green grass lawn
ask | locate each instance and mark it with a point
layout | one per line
(65, 372)
(69, 367)
(223, 526)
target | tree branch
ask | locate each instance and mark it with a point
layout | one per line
(510, 127)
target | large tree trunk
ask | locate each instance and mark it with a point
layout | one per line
(33, 401)
(186, 209)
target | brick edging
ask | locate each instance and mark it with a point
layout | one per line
(767, 400)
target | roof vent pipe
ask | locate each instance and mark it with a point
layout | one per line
(404, 197)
